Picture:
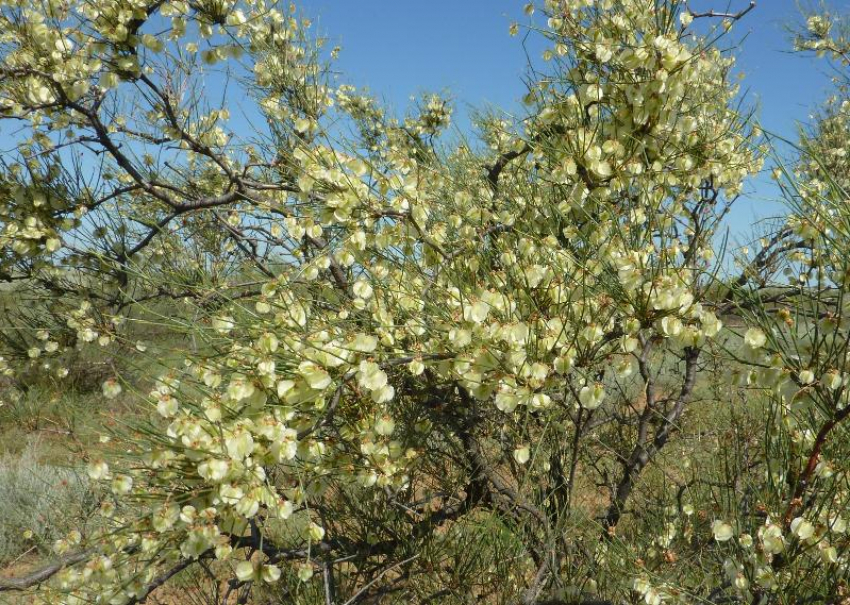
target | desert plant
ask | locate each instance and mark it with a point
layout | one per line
(41, 503)
(423, 370)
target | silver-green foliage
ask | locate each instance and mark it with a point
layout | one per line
(40, 498)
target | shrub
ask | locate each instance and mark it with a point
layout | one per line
(40, 503)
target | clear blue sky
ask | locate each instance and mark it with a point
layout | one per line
(404, 47)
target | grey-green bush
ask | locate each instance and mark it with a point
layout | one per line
(46, 500)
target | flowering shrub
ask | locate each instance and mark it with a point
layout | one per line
(421, 370)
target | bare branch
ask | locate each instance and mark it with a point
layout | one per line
(360, 593)
(164, 577)
(644, 452)
(43, 574)
(715, 14)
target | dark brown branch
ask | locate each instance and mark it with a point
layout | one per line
(43, 574)
(715, 14)
(531, 593)
(165, 577)
(812, 462)
(359, 595)
(346, 378)
(764, 260)
(496, 169)
(644, 452)
(500, 486)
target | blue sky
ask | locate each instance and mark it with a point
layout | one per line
(404, 47)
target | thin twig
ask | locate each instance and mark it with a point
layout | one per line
(374, 580)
